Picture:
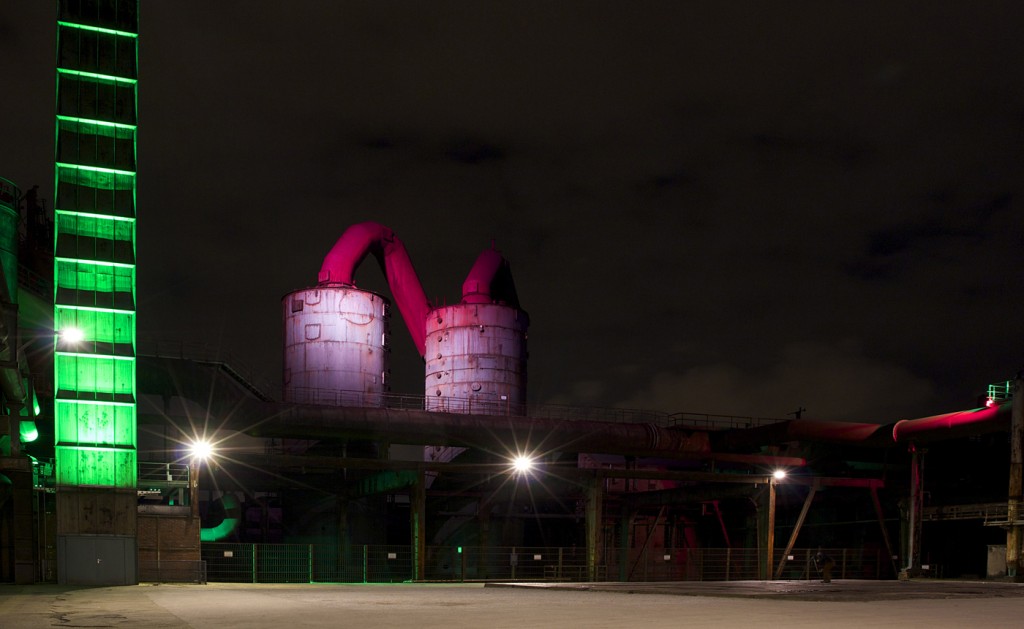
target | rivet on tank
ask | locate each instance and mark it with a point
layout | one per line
(476, 349)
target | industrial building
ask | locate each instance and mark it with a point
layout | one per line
(335, 477)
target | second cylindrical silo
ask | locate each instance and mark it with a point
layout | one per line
(476, 359)
(9, 236)
(336, 346)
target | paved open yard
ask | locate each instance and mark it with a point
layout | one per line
(786, 604)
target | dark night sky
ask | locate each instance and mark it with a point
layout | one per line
(708, 206)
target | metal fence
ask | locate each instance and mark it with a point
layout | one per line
(307, 563)
(177, 571)
(321, 563)
(743, 564)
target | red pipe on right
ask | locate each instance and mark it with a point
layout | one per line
(954, 425)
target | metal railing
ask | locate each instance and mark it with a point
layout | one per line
(173, 571)
(163, 348)
(719, 422)
(177, 473)
(1000, 391)
(483, 406)
(987, 511)
(324, 563)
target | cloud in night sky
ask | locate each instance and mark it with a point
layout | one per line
(828, 381)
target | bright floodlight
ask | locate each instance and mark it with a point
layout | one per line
(201, 450)
(522, 464)
(779, 474)
(72, 335)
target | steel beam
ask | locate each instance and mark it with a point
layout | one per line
(595, 526)
(1013, 503)
(796, 529)
(418, 515)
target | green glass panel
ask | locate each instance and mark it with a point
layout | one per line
(95, 374)
(96, 169)
(124, 219)
(99, 326)
(94, 145)
(95, 191)
(95, 277)
(95, 50)
(97, 29)
(95, 178)
(95, 226)
(94, 423)
(91, 98)
(94, 98)
(119, 15)
(95, 238)
(91, 121)
(97, 76)
(95, 466)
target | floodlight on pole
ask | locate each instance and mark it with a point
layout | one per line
(522, 464)
(201, 450)
(779, 474)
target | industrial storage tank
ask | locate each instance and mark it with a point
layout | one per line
(475, 351)
(336, 346)
(9, 237)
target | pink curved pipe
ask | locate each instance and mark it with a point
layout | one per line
(952, 425)
(490, 280)
(934, 428)
(358, 240)
(477, 287)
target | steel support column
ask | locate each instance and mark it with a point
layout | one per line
(1013, 504)
(770, 530)
(885, 532)
(912, 567)
(595, 498)
(625, 538)
(647, 541)
(418, 514)
(796, 529)
(483, 515)
(344, 539)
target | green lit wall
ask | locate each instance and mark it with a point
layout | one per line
(94, 255)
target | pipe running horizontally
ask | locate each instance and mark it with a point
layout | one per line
(933, 428)
(953, 425)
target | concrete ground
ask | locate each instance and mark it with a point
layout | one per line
(843, 603)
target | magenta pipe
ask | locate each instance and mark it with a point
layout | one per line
(477, 287)
(953, 425)
(349, 251)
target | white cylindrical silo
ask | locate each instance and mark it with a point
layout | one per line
(336, 346)
(476, 359)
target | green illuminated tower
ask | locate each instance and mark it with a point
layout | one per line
(94, 290)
